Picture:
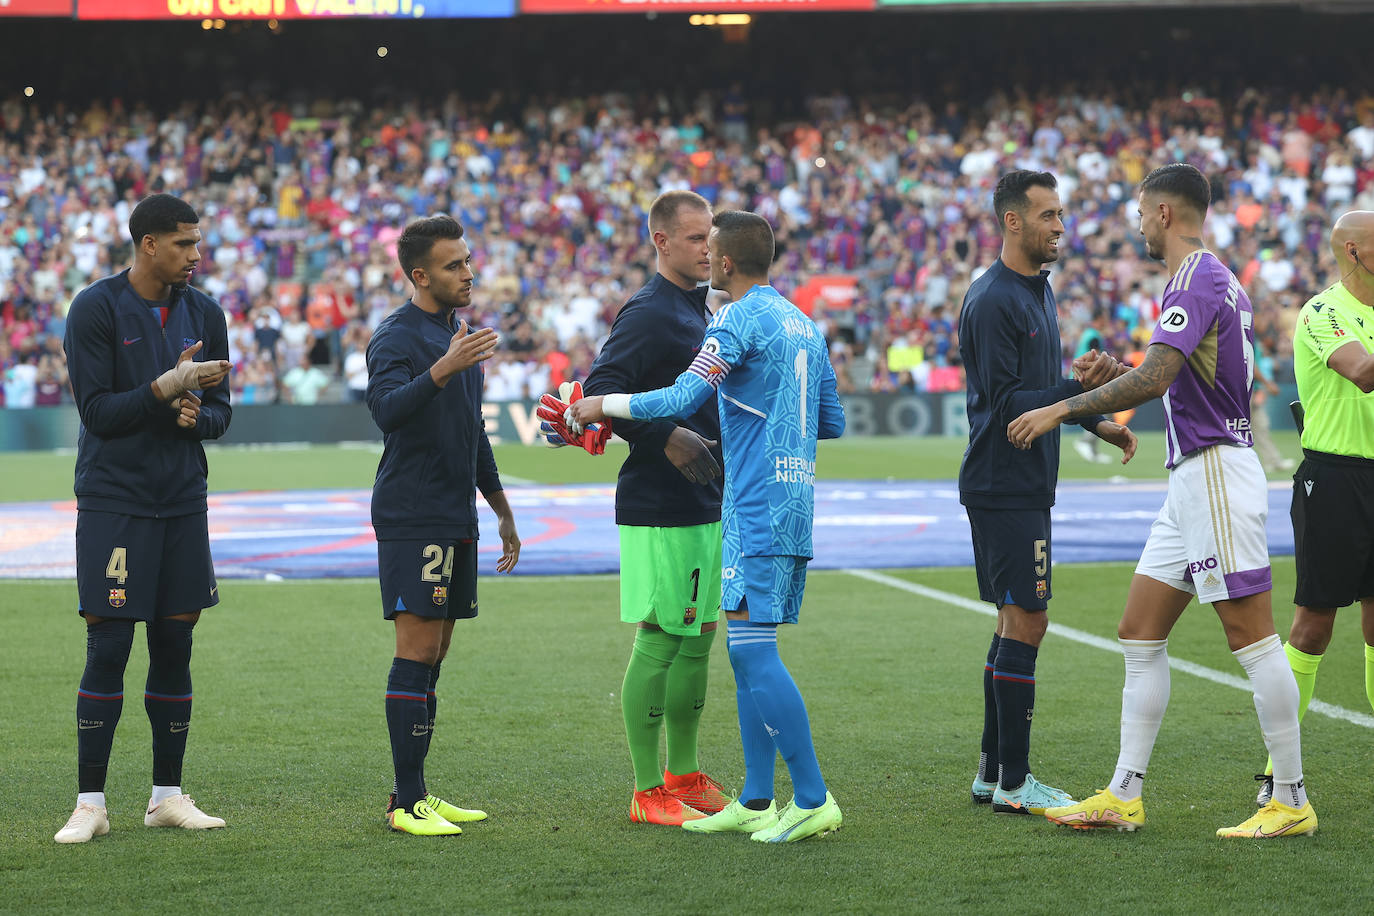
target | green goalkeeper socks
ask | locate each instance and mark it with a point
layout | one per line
(686, 699)
(1305, 673)
(642, 701)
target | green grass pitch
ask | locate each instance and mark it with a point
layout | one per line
(289, 745)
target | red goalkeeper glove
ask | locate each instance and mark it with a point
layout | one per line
(552, 412)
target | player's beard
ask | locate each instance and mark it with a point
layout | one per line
(1045, 254)
(452, 305)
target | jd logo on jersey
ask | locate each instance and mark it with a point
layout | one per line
(1174, 319)
(440, 594)
(117, 597)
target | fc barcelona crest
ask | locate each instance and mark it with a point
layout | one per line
(1041, 588)
(689, 616)
(117, 597)
(440, 594)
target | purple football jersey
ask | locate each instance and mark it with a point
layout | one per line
(1207, 317)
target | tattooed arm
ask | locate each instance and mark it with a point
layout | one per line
(1146, 382)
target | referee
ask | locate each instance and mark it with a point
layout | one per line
(1333, 489)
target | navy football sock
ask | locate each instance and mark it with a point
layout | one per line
(1013, 681)
(407, 720)
(167, 697)
(432, 704)
(100, 699)
(987, 758)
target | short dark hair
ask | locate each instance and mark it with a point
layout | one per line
(665, 208)
(747, 239)
(1182, 181)
(419, 237)
(1011, 195)
(158, 215)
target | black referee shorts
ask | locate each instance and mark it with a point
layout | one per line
(1333, 529)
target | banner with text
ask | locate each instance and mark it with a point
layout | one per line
(292, 9)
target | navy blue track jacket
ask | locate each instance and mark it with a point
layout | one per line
(131, 457)
(435, 446)
(1013, 359)
(654, 339)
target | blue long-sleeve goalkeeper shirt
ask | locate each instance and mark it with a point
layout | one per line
(777, 396)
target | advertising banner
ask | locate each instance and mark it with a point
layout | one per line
(52, 8)
(291, 9)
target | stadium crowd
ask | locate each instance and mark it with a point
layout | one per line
(882, 215)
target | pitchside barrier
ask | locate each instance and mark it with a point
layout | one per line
(920, 414)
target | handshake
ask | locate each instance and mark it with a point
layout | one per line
(558, 426)
(1096, 368)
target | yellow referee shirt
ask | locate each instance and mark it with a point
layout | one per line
(1339, 416)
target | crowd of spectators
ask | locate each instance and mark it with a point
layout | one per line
(888, 203)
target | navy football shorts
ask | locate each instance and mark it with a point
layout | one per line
(428, 578)
(129, 566)
(1011, 551)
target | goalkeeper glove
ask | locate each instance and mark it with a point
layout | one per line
(552, 411)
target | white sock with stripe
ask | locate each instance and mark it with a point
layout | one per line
(1276, 702)
(1144, 698)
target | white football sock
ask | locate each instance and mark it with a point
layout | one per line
(1143, 701)
(1127, 784)
(162, 793)
(1276, 702)
(91, 798)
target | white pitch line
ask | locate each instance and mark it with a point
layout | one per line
(1097, 642)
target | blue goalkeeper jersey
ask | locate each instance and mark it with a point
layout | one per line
(771, 368)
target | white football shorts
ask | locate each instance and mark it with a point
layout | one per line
(1209, 537)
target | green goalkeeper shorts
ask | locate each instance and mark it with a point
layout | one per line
(670, 577)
